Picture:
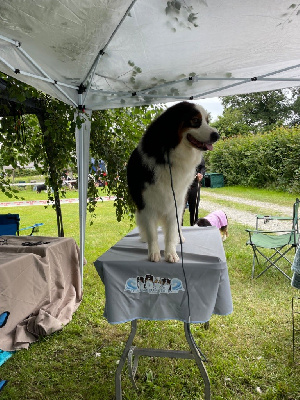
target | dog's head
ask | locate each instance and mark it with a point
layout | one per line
(184, 122)
(195, 129)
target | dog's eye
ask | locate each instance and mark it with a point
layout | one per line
(195, 122)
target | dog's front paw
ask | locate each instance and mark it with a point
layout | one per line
(171, 257)
(154, 257)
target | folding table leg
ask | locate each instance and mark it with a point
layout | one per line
(197, 356)
(131, 351)
(132, 365)
(296, 330)
(123, 360)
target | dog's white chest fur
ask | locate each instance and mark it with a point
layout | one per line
(158, 196)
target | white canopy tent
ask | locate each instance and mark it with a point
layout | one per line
(100, 54)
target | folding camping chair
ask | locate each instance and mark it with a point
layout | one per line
(10, 225)
(271, 247)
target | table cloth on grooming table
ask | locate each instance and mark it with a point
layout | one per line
(136, 288)
(40, 287)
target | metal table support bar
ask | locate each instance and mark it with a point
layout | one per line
(132, 354)
(296, 325)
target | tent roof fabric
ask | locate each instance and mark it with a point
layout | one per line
(108, 54)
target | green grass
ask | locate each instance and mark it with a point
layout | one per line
(29, 194)
(247, 350)
(269, 196)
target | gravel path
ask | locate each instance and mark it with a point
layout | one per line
(209, 202)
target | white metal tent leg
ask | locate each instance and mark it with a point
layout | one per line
(82, 150)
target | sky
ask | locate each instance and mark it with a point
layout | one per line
(212, 105)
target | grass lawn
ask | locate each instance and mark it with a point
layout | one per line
(249, 352)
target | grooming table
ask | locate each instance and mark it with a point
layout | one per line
(136, 288)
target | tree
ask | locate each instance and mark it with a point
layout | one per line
(231, 123)
(295, 96)
(114, 135)
(44, 133)
(56, 150)
(256, 112)
(46, 139)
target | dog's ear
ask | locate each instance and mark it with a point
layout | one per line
(163, 133)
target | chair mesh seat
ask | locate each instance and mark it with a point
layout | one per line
(272, 241)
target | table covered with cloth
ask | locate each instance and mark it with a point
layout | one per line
(136, 288)
(40, 287)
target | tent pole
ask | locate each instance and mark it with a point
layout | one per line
(82, 149)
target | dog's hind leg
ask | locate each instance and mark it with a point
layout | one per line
(142, 232)
(148, 229)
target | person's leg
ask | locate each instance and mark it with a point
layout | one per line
(184, 207)
(192, 197)
(197, 205)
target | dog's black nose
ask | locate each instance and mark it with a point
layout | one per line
(214, 136)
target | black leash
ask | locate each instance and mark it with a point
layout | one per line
(178, 228)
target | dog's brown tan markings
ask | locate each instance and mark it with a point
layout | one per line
(196, 122)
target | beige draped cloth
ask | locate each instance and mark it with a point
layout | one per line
(40, 287)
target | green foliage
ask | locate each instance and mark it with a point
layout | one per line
(262, 160)
(231, 123)
(114, 135)
(258, 112)
(48, 140)
(45, 138)
(262, 110)
(295, 119)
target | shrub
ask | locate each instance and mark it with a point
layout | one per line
(269, 160)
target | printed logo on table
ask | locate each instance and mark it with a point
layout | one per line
(153, 285)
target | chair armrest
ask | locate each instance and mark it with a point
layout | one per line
(263, 231)
(274, 217)
(267, 218)
(34, 228)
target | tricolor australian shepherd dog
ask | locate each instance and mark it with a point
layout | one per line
(178, 137)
